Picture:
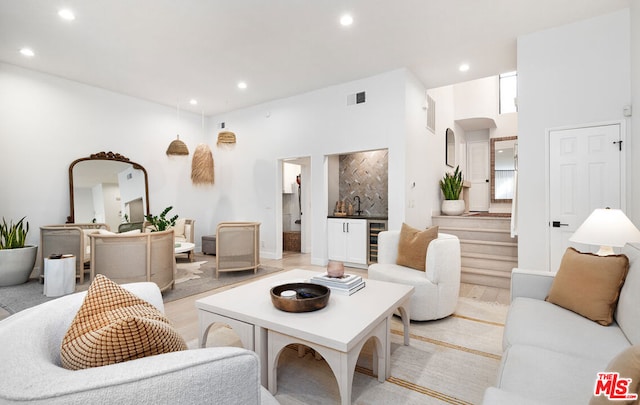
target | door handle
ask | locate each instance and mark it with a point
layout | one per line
(557, 224)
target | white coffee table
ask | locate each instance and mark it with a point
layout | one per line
(185, 247)
(337, 332)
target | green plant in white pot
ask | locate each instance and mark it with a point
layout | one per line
(16, 258)
(451, 186)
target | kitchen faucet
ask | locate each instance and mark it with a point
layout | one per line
(358, 211)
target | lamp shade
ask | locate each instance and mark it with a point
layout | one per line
(177, 147)
(606, 227)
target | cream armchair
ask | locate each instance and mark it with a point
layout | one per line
(436, 289)
(68, 239)
(185, 232)
(32, 373)
(129, 258)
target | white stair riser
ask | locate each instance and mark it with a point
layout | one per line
(498, 250)
(481, 279)
(471, 222)
(501, 265)
(467, 234)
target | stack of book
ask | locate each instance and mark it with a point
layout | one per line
(347, 284)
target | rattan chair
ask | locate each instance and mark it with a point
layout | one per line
(68, 239)
(130, 258)
(237, 246)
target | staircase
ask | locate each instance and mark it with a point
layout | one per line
(488, 251)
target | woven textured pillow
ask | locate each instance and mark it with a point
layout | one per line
(412, 247)
(112, 326)
(627, 364)
(589, 284)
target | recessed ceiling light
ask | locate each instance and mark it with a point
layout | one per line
(346, 20)
(193, 101)
(242, 85)
(27, 52)
(67, 14)
(464, 67)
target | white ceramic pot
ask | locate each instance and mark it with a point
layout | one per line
(16, 265)
(452, 207)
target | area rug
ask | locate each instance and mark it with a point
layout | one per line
(192, 278)
(201, 278)
(449, 361)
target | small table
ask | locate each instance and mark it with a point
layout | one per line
(338, 332)
(59, 276)
(185, 247)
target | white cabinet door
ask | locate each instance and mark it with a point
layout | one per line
(337, 239)
(347, 240)
(357, 241)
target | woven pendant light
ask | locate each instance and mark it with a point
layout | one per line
(227, 137)
(202, 165)
(177, 147)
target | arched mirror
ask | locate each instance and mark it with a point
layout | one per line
(450, 148)
(107, 187)
(503, 168)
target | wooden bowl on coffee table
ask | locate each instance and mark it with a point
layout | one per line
(309, 297)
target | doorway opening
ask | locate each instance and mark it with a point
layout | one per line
(295, 206)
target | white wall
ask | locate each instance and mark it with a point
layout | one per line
(315, 124)
(571, 75)
(47, 122)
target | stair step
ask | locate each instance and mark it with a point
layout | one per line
(489, 256)
(489, 264)
(495, 248)
(488, 252)
(472, 222)
(492, 235)
(489, 281)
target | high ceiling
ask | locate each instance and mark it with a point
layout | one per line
(170, 51)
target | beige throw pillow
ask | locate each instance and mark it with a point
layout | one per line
(412, 247)
(112, 326)
(627, 364)
(589, 284)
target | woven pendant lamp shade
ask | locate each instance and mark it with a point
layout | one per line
(226, 137)
(177, 147)
(202, 165)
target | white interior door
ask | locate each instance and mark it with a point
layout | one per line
(478, 175)
(584, 174)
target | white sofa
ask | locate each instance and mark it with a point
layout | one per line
(30, 370)
(551, 355)
(436, 289)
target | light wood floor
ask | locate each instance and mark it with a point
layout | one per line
(184, 317)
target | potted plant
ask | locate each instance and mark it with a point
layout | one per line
(16, 259)
(451, 186)
(161, 223)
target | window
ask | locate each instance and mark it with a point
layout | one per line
(508, 92)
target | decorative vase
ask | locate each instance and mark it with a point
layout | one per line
(452, 207)
(16, 265)
(335, 269)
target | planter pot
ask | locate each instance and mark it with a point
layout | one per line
(452, 207)
(16, 265)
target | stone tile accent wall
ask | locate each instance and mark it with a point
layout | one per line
(365, 174)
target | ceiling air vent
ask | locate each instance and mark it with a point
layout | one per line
(356, 98)
(431, 114)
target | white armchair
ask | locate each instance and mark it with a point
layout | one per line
(32, 373)
(437, 288)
